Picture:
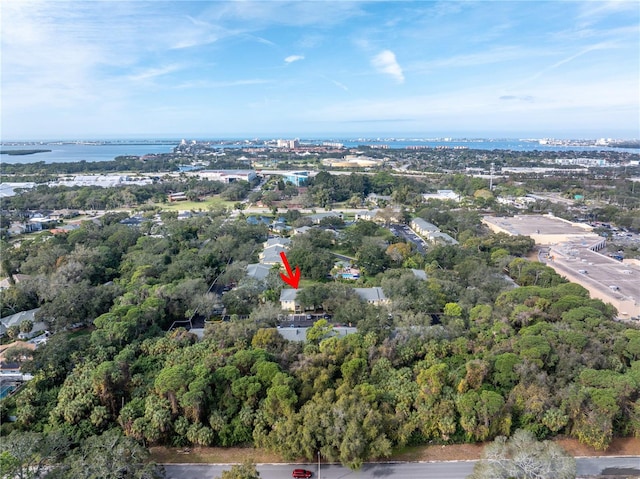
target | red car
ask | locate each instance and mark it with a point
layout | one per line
(301, 473)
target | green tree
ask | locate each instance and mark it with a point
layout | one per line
(523, 457)
(371, 255)
(110, 456)
(13, 331)
(26, 326)
(27, 455)
(320, 330)
(246, 470)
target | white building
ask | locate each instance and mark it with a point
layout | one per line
(444, 195)
(226, 176)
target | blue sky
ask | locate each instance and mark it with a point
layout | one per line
(95, 69)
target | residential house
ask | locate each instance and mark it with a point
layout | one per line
(378, 200)
(271, 255)
(279, 227)
(302, 230)
(420, 274)
(431, 232)
(258, 220)
(300, 334)
(318, 217)
(5, 283)
(258, 271)
(440, 237)
(284, 242)
(132, 221)
(366, 215)
(423, 227)
(373, 296)
(288, 300)
(18, 318)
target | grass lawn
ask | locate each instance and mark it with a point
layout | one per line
(205, 205)
(212, 455)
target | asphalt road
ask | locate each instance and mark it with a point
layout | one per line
(440, 470)
(408, 234)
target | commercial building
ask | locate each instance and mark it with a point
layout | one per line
(573, 251)
(297, 178)
(226, 176)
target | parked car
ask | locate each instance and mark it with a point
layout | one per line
(301, 473)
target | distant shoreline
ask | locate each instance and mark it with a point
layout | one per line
(22, 152)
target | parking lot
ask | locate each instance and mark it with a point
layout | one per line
(403, 231)
(570, 254)
(305, 320)
(606, 278)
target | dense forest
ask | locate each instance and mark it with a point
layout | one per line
(464, 355)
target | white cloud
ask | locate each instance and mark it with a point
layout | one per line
(339, 85)
(208, 84)
(294, 58)
(500, 54)
(545, 103)
(584, 51)
(385, 62)
(150, 73)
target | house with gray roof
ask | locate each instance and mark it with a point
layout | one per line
(288, 300)
(271, 255)
(258, 271)
(423, 227)
(420, 274)
(366, 215)
(318, 217)
(300, 334)
(301, 230)
(284, 242)
(18, 318)
(440, 237)
(373, 296)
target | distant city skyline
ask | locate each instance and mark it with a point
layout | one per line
(309, 69)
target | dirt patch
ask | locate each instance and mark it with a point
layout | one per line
(212, 455)
(622, 446)
(619, 447)
(455, 452)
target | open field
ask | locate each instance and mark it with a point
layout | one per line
(208, 203)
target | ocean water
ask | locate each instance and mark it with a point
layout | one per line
(513, 145)
(72, 152)
(108, 150)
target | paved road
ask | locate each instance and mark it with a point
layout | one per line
(404, 231)
(440, 470)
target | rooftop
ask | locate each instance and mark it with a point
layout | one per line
(529, 225)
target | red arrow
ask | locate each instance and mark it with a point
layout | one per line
(290, 278)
